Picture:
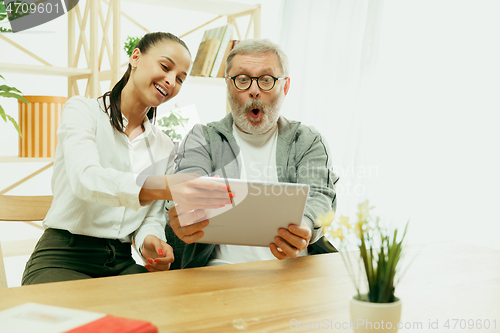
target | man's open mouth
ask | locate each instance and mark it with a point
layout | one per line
(255, 112)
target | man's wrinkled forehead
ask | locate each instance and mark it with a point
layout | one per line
(259, 62)
(263, 69)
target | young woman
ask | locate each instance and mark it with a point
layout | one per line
(110, 175)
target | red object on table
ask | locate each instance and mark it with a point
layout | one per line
(111, 324)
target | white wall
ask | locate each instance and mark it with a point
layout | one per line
(436, 117)
(430, 112)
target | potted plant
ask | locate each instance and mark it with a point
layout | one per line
(170, 123)
(7, 91)
(42, 141)
(130, 44)
(374, 307)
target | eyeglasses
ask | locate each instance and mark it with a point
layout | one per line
(264, 82)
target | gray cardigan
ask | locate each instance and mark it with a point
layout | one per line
(301, 157)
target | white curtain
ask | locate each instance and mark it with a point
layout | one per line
(406, 94)
(332, 46)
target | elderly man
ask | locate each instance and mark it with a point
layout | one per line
(254, 142)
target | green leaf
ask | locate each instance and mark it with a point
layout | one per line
(130, 44)
(367, 261)
(15, 125)
(170, 123)
(3, 10)
(6, 88)
(2, 113)
(13, 95)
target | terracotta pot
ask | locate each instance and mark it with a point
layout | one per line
(374, 317)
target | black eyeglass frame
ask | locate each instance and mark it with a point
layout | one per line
(256, 78)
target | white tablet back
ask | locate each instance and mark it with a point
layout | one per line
(257, 212)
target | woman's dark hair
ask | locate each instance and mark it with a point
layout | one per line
(113, 109)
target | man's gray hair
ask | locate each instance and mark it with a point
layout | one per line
(258, 46)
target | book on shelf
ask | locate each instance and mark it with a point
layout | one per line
(230, 46)
(204, 57)
(211, 51)
(226, 39)
(40, 318)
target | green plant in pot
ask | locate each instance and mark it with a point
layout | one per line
(378, 261)
(130, 44)
(10, 92)
(172, 122)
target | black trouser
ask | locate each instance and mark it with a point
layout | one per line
(62, 256)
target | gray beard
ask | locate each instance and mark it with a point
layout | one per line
(269, 117)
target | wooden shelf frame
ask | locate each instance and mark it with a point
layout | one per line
(99, 21)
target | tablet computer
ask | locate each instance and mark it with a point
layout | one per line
(257, 211)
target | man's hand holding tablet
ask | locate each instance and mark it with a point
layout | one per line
(262, 214)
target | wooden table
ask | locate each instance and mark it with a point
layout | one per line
(444, 281)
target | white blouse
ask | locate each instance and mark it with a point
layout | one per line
(98, 174)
